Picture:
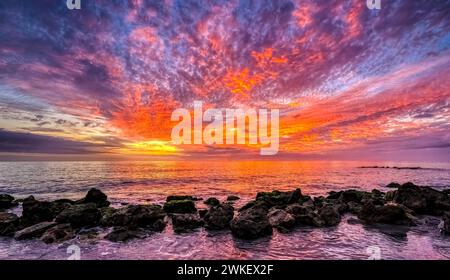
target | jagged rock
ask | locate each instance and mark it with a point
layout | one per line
(352, 195)
(354, 207)
(212, 201)
(233, 198)
(251, 223)
(121, 234)
(180, 206)
(444, 226)
(35, 211)
(33, 231)
(202, 212)
(95, 196)
(80, 215)
(393, 185)
(281, 220)
(219, 217)
(185, 222)
(423, 200)
(6, 201)
(386, 214)
(305, 215)
(133, 216)
(329, 215)
(275, 198)
(58, 233)
(254, 204)
(181, 197)
(8, 223)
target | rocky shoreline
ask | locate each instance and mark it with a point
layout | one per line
(64, 219)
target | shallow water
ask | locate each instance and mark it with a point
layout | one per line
(149, 182)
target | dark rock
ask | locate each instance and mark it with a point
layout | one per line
(251, 223)
(134, 216)
(212, 201)
(329, 215)
(444, 226)
(95, 196)
(352, 195)
(219, 217)
(255, 204)
(80, 215)
(122, 234)
(186, 222)
(390, 195)
(6, 201)
(8, 223)
(202, 212)
(233, 198)
(281, 220)
(33, 231)
(305, 215)
(393, 185)
(423, 200)
(354, 207)
(386, 214)
(180, 206)
(34, 211)
(58, 233)
(180, 197)
(275, 198)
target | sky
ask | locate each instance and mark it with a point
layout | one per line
(101, 82)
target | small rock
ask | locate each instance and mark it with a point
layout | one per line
(34, 211)
(212, 201)
(219, 217)
(33, 231)
(393, 185)
(133, 216)
(185, 222)
(275, 198)
(6, 201)
(233, 198)
(329, 215)
(58, 233)
(251, 223)
(180, 206)
(386, 214)
(8, 223)
(95, 196)
(80, 215)
(281, 220)
(180, 197)
(305, 215)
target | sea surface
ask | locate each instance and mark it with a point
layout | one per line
(150, 182)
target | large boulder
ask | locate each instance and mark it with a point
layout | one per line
(281, 220)
(423, 200)
(219, 217)
(58, 233)
(329, 215)
(186, 222)
(275, 198)
(6, 201)
(34, 211)
(305, 215)
(386, 214)
(180, 206)
(95, 196)
(80, 215)
(8, 223)
(134, 216)
(251, 223)
(33, 231)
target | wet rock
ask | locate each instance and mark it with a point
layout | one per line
(181, 197)
(233, 198)
(390, 195)
(180, 206)
(8, 223)
(95, 196)
(134, 216)
(329, 215)
(352, 196)
(386, 214)
(202, 212)
(219, 217)
(186, 222)
(423, 200)
(122, 234)
(80, 215)
(305, 215)
(354, 207)
(58, 233)
(251, 223)
(393, 185)
(34, 211)
(275, 198)
(255, 204)
(444, 226)
(33, 231)
(6, 201)
(281, 220)
(212, 201)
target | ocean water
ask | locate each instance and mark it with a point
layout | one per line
(150, 182)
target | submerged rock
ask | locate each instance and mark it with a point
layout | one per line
(251, 223)
(281, 220)
(58, 233)
(80, 215)
(219, 217)
(212, 201)
(8, 223)
(33, 231)
(6, 201)
(185, 222)
(180, 206)
(95, 196)
(122, 234)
